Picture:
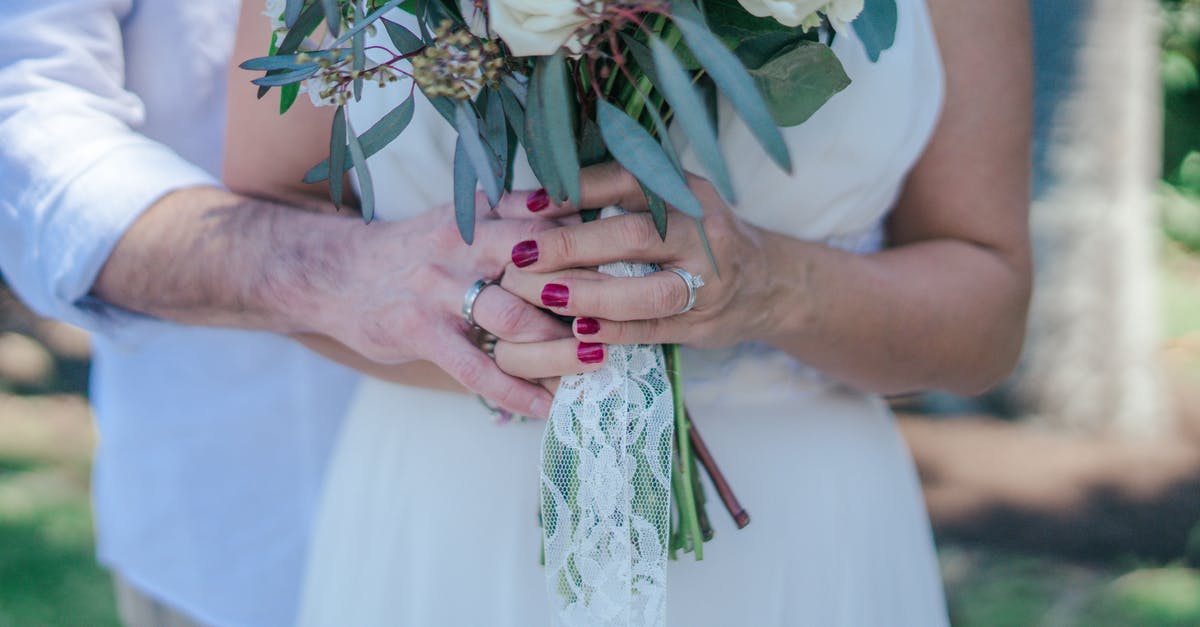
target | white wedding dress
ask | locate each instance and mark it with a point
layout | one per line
(430, 512)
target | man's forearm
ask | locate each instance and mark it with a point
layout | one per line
(205, 256)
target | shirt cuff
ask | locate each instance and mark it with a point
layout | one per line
(89, 217)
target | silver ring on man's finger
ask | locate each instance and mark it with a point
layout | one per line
(693, 282)
(472, 295)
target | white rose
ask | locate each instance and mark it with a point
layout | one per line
(535, 27)
(804, 12)
(842, 12)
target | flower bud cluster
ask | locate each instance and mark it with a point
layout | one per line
(458, 64)
(329, 85)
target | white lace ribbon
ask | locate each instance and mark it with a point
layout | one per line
(606, 486)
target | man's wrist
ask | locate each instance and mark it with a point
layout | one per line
(307, 268)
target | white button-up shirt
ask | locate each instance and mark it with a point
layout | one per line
(213, 442)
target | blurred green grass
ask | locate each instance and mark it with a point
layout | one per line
(48, 571)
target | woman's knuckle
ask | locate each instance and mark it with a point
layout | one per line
(668, 296)
(562, 243)
(637, 230)
(510, 319)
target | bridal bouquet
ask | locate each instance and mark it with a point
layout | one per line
(574, 83)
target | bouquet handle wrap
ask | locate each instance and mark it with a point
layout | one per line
(606, 486)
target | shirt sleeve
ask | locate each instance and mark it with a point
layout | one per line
(74, 172)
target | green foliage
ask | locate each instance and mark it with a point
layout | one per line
(876, 27)
(48, 569)
(379, 135)
(799, 80)
(464, 193)
(734, 82)
(649, 65)
(635, 149)
(1180, 72)
(691, 114)
(558, 106)
(1181, 121)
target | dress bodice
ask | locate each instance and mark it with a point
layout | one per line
(850, 159)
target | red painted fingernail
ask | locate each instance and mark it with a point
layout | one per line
(590, 353)
(538, 200)
(555, 295)
(525, 253)
(587, 326)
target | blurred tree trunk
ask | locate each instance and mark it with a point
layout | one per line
(1091, 362)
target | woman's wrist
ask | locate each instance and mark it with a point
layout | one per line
(785, 306)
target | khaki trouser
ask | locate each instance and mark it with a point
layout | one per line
(137, 609)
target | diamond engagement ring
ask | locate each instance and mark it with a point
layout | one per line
(468, 306)
(693, 282)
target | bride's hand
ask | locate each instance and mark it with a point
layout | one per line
(730, 308)
(396, 295)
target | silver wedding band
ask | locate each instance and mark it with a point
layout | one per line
(468, 306)
(693, 282)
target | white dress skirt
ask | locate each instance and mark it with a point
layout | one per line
(430, 511)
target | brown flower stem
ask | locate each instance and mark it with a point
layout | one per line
(740, 516)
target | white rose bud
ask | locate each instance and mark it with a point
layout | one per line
(535, 27)
(804, 12)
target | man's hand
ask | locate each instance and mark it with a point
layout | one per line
(389, 291)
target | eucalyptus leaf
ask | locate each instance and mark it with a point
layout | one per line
(537, 146)
(876, 26)
(287, 97)
(556, 100)
(495, 128)
(731, 21)
(366, 188)
(731, 77)
(591, 145)
(708, 252)
(464, 193)
(658, 210)
(644, 158)
(291, 12)
(304, 26)
(515, 84)
(513, 145)
(690, 114)
(333, 18)
(642, 56)
(337, 155)
(468, 132)
(276, 78)
(664, 135)
(514, 111)
(403, 39)
(379, 135)
(757, 50)
(367, 21)
(290, 61)
(799, 81)
(358, 45)
(443, 105)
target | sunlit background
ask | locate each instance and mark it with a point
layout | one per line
(1069, 497)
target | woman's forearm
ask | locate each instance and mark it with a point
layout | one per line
(939, 314)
